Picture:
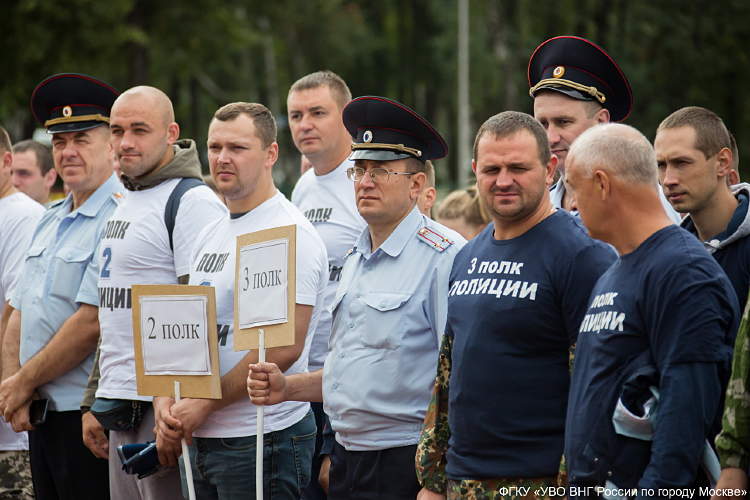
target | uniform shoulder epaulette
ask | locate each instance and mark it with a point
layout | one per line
(431, 237)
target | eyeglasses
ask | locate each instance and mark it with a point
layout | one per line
(377, 174)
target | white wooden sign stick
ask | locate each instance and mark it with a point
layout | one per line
(185, 451)
(259, 425)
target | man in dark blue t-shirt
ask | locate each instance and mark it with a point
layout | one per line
(695, 157)
(660, 322)
(518, 292)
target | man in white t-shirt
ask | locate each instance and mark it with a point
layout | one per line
(18, 217)
(242, 150)
(325, 195)
(137, 247)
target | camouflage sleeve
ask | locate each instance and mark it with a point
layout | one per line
(733, 443)
(433, 443)
(89, 394)
(562, 473)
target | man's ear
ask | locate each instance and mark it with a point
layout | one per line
(7, 159)
(724, 162)
(418, 181)
(602, 184)
(173, 133)
(550, 169)
(272, 154)
(49, 178)
(602, 116)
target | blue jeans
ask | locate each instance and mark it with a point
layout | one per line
(224, 468)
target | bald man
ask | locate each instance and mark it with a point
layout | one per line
(660, 325)
(140, 247)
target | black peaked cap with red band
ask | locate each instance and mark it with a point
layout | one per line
(581, 70)
(386, 130)
(71, 102)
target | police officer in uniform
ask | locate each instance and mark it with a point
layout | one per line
(389, 310)
(54, 328)
(575, 85)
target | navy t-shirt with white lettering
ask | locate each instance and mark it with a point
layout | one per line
(514, 308)
(665, 312)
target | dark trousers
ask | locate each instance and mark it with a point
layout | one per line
(62, 468)
(313, 490)
(365, 475)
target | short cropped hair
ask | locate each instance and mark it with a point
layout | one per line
(43, 153)
(735, 152)
(508, 123)
(711, 135)
(466, 204)
(265, 124)
(429, 170)
(4, 141)
(339, 90)
(617, 148)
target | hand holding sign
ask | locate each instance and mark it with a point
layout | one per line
(176, 353)
(264, 296)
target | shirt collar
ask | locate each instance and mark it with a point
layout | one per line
(93, 204)
(397, 240)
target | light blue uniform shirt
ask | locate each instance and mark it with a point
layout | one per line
(557, 193)
(61, 272)
(389, 317)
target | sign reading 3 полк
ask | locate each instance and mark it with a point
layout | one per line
(263, 282)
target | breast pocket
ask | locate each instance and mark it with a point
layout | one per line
(385, 317)
(34, 266)
(68, 268)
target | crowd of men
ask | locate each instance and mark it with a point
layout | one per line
(591, 336)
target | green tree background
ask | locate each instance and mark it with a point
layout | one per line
(205, 53)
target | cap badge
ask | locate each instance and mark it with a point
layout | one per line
(367, 136)
(558, 72)
(67, 112)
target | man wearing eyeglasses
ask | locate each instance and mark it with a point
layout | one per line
(388, 313)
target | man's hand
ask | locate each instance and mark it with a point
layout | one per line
(425, 494)
(94, 437)
(14, 392)
(192, 413)
(731, 478)
(21, 419)
(266, 385)
(324, 475)
(168, 431)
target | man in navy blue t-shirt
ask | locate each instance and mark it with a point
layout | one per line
(518, 292)
(660, 322)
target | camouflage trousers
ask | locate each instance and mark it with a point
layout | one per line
(15, 476)
(545, 488)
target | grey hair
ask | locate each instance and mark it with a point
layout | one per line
(617, 148)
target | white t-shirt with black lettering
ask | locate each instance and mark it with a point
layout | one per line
(135, 250)
(328, 203)
(19, 215)
(214, 265)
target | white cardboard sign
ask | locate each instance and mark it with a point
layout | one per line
(174, 335)
(263, 279)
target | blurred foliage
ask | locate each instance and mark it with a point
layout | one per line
(206, 53)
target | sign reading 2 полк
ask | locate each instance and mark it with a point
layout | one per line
(174, 335)
(175, 340)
